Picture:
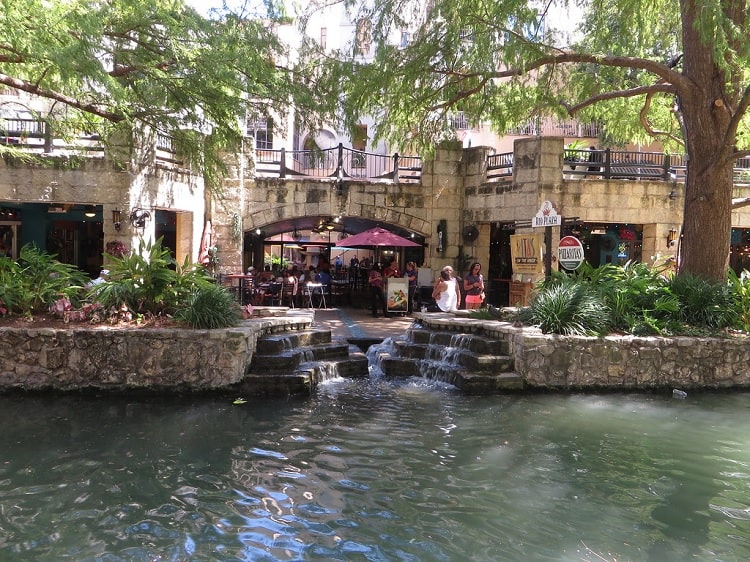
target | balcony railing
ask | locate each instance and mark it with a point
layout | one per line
(338, 162)
(34, 135)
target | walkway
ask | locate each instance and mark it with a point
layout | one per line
(358, 324)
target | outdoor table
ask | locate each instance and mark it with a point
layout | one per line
(315, 289)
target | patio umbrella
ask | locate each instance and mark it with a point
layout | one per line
(376, 237)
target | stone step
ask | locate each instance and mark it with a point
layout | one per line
(290, 359)
(456, 356)
(321, 371)
(466, 380)
(279, 343)
(277, 384)
(476, 344)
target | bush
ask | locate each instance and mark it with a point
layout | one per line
(33, 283)
(740, 285)
(703, 303)
(567, 308)
(208, 307)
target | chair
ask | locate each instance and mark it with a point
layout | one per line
(339, 292)
(289, 294)
(229, 285)
(272, 295)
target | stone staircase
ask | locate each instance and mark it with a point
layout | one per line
(473, 363)
(296, 362)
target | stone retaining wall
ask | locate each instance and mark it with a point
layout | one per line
(132, 359)
(613, 362)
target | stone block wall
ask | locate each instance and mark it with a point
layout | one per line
(611, 363)
(632, 362)
(102, 358)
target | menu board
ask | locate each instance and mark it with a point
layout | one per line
(527, 251)
(397, 295)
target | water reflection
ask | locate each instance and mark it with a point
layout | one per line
(371, 470)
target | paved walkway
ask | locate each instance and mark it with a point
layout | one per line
(358, 323)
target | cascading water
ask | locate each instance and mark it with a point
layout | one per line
(442, 360)
(375, 355)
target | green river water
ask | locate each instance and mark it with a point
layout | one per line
(376, 471)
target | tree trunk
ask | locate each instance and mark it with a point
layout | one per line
(707, 220)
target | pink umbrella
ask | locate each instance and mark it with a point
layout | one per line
(375, 237)
(203, 255)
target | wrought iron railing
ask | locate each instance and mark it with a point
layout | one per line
(500, 166)
(338, 162)
(623, 164)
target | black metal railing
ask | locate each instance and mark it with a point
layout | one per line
(500, 166)
(338, 162)
(623, 164)
(37, 136)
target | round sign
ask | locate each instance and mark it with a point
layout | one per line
(570, 252)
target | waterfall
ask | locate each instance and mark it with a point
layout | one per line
(376, 353)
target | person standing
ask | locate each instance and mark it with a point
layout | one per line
(375, 280)
(446, 291)
(474, 286)
(391, 270)
(411, 279)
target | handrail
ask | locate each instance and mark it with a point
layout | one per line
(342, 163)
(500, 166)
(339, 163)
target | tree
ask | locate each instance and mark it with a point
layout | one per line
(671, 70)
(155, 64)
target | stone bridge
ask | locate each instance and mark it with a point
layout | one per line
(456, 197)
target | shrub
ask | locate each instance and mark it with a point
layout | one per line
(703, 303)
(144, 281)
(210, 306)
(740, 285)
(567, 308)
(33, 283)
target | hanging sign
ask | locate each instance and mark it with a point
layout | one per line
(570, 253)
(546, 216)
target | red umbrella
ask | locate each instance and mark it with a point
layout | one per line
(375, 237)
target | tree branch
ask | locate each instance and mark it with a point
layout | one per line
(643, 116)
(67, 100)
(629, 93)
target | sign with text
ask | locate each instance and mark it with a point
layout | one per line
(526, 253)
(570, 253)
(546, 216)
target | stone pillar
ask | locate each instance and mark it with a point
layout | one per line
(443, 181)
(225, 209)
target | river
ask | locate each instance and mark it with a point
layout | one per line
(373, 470)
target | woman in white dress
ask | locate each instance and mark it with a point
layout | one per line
(446, 290)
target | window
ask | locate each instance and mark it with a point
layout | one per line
(359, 143)
(364, 37)
(262, 131)
(404, 39)
(323, 37)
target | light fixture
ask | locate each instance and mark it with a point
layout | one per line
(116, 219)
(139, 218)
(671, 238)
(89, 211)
